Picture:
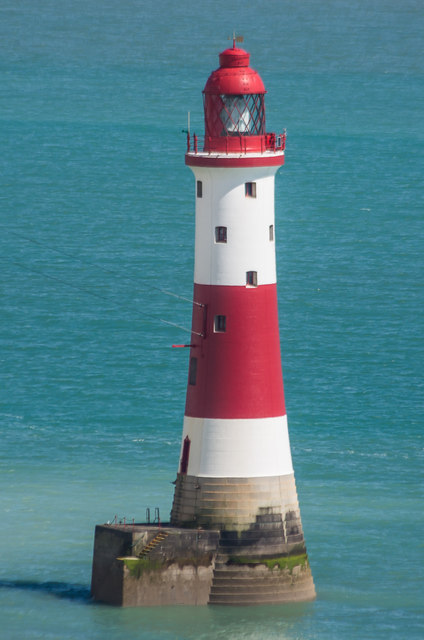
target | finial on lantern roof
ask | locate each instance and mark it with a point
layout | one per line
(235, 39)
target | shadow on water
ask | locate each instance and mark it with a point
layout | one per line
(63, 590)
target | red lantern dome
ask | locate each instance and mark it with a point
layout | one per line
(234, 75)
(234, 105)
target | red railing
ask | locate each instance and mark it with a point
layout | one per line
(236, 144)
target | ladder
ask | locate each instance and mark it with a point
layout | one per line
(152, 544)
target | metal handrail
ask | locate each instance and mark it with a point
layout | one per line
(269, 142)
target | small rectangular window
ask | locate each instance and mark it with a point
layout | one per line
(252, 278)
(220, 234)
(271, 232)
(250, 189)
(220, 324)
(192, 372)
(199, 189)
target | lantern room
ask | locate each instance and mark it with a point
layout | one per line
(234, 106)
(233, 102)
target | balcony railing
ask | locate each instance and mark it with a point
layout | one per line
(236, 144)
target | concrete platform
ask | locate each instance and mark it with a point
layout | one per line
(147, 565)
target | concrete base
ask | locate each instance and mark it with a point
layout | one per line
(146, 565)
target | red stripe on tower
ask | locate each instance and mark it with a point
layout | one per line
(237, 356)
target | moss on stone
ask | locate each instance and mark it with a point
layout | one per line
(137, 566)
(282, 562)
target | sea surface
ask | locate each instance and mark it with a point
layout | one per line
(96, 232)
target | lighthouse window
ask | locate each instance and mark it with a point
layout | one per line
(251, 278)
(243, 114)
(271, 232)
(220, 234)
(250, 189)
(220, 324)
(192, 372)
(199, 189)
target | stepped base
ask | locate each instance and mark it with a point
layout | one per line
(248, 581)
(144, 565)
(251, 506)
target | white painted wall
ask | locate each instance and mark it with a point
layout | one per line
(224, 203)
(238, 448)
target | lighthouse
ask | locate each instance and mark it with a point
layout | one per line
(235, 471)
(235, 536)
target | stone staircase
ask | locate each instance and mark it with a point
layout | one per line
(241, 578)
(255, 583)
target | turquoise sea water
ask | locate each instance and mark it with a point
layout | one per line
(96, 217)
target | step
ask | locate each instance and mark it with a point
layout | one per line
(250, 583)
(246, 580)
(222, 571)
(252, 587)
(281, 595)
(257, 550)
(274, 582)
(241, 569)
(231, 599)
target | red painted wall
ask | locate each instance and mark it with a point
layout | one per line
(238, 372)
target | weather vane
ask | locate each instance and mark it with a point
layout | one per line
(235, 39)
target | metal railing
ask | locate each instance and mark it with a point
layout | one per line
(127, 522)
(267, 142)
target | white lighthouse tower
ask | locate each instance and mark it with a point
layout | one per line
(235, 472)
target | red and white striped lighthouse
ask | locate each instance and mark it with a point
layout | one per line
(236, 472)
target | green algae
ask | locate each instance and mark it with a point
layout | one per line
(137, 566)
(282, 562)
